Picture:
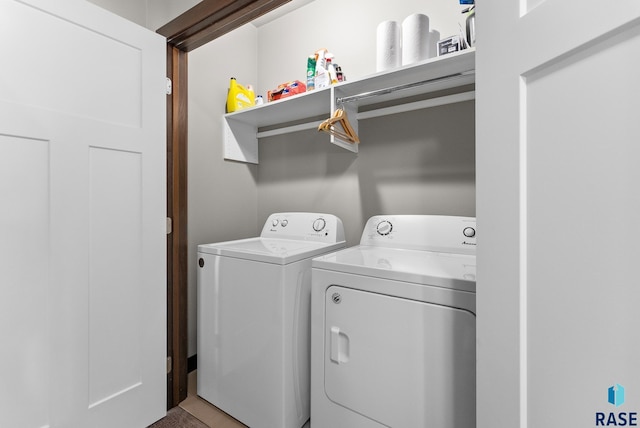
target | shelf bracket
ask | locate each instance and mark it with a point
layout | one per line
(240, 141)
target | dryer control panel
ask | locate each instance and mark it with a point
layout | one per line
(318, 227)
(449, 234)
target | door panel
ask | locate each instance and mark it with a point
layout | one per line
(241, 338)
(587, 158)
(557, 144)
(83, 262)
(399, 362)
(114, 98)
(115, 215)
(24, 217)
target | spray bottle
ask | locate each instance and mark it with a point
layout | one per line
(331, 69)
(322, 75)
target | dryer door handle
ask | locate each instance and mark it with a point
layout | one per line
(339, 346)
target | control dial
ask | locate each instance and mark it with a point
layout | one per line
(384, 228)
(319, 224)
(469, 232)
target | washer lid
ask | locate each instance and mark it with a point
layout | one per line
(448, 270)
(268, 250)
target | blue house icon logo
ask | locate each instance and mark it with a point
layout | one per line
(616, 395)
(616, 419)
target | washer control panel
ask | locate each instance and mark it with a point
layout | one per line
(304, 226)
(451, 234)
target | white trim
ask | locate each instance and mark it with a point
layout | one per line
(523, 238)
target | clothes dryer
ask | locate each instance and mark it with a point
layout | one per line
(254, 298)
(394, 327)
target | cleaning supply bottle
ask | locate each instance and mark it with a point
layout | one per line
(311, 72)
(239, 97)
(322, 75)
(331, 69)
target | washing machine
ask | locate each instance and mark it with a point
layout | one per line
(393, 327)
(254, 298)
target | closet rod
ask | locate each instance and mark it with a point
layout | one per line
(402, 108)
(418, 105)
(378, 92)
(288, 129)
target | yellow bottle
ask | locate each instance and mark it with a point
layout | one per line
(239, 97)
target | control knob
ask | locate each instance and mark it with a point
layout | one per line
(319, 224)
(384, 228)
(469, 232)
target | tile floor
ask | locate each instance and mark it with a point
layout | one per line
(206, 412)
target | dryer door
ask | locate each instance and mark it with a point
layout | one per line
(400, 362)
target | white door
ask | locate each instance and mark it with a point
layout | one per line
(82, 216)
(558, 144)
(400, 362)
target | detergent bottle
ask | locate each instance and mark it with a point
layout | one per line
(239, 97)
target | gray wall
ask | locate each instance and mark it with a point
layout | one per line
(421, 162)
(222, 195)
(345, 28)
